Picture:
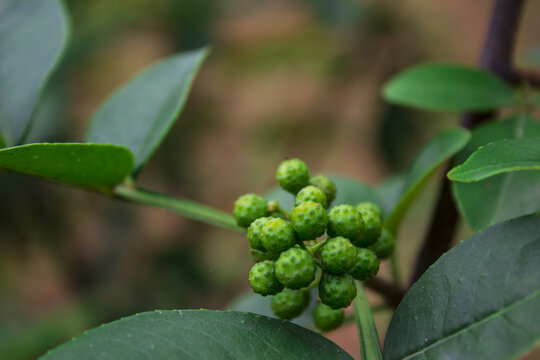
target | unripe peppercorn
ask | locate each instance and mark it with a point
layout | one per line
(370, 206)
(384, 247)
(372, 228)
(366, 265)
(263, 280)
(277, 235)
(255, 232)
(289, 304)
(311, 193)
(309, 220)
(295, 268)
(338, 255)
(326, 185)
(337, 291)
(248, 208)
(292, 175)
(346, 221)
(327, 318)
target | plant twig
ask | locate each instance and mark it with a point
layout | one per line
(187, 208)
(497, 58)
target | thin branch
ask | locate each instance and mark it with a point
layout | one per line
(497, 58)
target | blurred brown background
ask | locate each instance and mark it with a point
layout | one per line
(296, 78)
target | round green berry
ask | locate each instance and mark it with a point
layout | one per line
(384, 247)
(277, 235)
(370, 206)
(326, 185)
(337, 291)
(338, 255)
(263, 280)
(289, 304)
(327, 318)
(295, 268)
(254, 234)
(346, 221)
(248, 208)
(373, 228)
(311, 193)
(292, 175)
(309, 220)
(366, 265)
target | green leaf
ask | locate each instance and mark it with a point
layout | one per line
(348, 192)
(389, 193)
(33, 36)
(504, 196)
(258, 304)
(370, 348)
(499, 157)
(448, 88)
(479, 301)
(198, 334)
(432, 155)
(93, 166)
(187, 208)
(140, 113)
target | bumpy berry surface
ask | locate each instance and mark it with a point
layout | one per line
(326, 185)
(372, 228)
(248, 208)
(327, 318)
(368, 205)
(254, 233)
(263, 280)
(337, 291)
(311, 193)
(384, 247)
(292, 175)
(277, 235)
(295, 268)
(346, 221)
(338, 255)
(366, 265)
(309, 220)
(289, 304)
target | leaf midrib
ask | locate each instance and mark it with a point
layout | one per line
(473, 324)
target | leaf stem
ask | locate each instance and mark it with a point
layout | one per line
(187, 208)
(370, 348)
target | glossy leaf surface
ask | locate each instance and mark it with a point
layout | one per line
(93, 166)
(33, 35)
(140, 113)
(479, 301)
(448, 88)
(198, 334)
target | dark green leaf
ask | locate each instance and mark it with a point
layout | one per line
(348, 192)
(504, 196)
(478, 301)
(448, 88)
(93, 166)
(139, 114)
(198, 334)
(33, 35)
(432, 155)
(370, 348)
(499, 157)
(257, 304)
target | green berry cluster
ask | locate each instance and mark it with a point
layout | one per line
(312, 245)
